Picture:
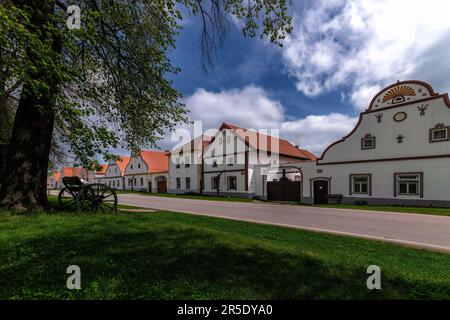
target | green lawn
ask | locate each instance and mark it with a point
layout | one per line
(167, 255)
(189, 196)
(405, 209)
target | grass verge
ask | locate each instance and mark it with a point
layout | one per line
(404, 209)
(167, 255)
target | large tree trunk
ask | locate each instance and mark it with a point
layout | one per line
(24, 181)
(24, 178)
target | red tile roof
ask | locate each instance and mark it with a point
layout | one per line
(122, 163)
(102, 169)
(74, 172)
(57, 176)
(264, 143)
(157, 161)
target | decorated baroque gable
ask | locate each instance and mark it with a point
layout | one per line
(404, 120)
(400, 93)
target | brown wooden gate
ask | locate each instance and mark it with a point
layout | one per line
(284, 190)
(161, 184)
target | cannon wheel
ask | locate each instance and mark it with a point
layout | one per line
(97, 197)
(67, 200)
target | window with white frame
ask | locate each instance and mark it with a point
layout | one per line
(231, 183)
(178, 183)
(440, 134)
(142, 181)
(177, 161)
(360, 184)
(230, 161)
(220, 140)
(187, 162)
(188, 183)
(408, 183)
(228, 139)
(214, 183)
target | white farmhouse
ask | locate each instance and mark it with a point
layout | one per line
(398, 153)
(233, 161)
(147, 171)
(54, 180)
(101, 173)
(185, 166)
(114, 173)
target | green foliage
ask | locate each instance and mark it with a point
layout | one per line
(107, 82)
(167, 255)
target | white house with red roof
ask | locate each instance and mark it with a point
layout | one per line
(397, 154)
(147, 171)
(100, 173)
(54, 180)
(114, 175)
(234, 161)
(185, 166)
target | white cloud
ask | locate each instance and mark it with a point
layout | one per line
(363, 95)
(316, 132)
(251, 107)
(368, 44)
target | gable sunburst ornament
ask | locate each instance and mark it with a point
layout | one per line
(398, 93)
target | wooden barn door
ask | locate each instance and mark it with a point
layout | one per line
(161, 184)
(284, 190)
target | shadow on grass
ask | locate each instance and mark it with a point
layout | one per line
(120, 259)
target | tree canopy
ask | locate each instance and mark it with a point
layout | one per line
(105, 84)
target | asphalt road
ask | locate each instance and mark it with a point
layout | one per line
(424, 231)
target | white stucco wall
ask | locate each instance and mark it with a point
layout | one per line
(436, 177)
(414, 155)
(113, 177)
(136, 174)
(415, 129)
(193, 171)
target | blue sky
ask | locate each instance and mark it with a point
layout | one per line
(246, 61)
(339, 55)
